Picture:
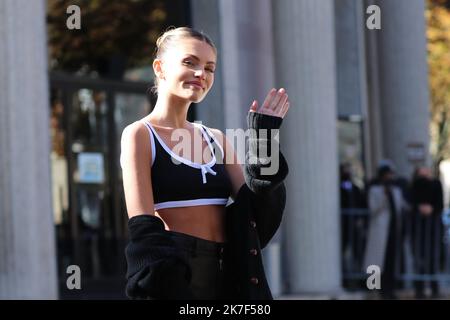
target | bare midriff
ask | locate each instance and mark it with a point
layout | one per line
(205, 222)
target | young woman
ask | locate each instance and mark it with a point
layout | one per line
(177, 203)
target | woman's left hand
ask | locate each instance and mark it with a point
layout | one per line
(276, 104)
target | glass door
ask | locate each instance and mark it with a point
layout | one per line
(88, 200)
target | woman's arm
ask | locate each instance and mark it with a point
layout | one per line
(275, 106)
(268, 171)
(266, 193)
(155, 267)
(135, 159)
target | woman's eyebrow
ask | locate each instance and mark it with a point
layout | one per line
(196, 58)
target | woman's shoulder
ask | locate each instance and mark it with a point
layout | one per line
(135, 133)
(134, 142)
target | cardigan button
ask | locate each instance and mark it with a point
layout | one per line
(253, 224)
(254, 280)
(254, 252)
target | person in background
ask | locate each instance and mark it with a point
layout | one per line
(353, 224)
(386, 203)
(427, 205)
(352, 196)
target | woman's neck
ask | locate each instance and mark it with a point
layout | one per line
(170, 112)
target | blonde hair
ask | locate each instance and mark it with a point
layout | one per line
(170, 37)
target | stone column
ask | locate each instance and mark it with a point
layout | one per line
(403, 80)
(205, 17)
(27, 240)
(246, 56)
(373, 126)
(351, 61)
(305, 65)
(247, 62)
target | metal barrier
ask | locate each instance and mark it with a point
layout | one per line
(423, 249)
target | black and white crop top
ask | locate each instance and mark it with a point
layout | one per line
(183, 183)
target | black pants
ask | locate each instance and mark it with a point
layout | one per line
(206, 261)
(388, 278)
(426, 248)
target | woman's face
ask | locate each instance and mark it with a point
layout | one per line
(187, 69)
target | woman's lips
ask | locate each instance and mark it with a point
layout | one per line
(195, 84)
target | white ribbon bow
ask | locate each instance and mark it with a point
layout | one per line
(206, 169)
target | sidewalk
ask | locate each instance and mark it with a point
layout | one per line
(323, 296)
(406, 294)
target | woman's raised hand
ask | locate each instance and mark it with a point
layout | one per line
(276, 104)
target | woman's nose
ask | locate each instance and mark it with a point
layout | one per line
(200, 73)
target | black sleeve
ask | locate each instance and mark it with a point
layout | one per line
(155, 267)
(269, 213)
(263, 170)
(268, 192)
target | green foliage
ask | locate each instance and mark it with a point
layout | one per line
(113, 34)
(438, 36)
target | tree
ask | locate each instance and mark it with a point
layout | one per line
(438, 47)
(114, 35)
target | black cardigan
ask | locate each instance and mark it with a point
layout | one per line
(157, 270)
(250, 224)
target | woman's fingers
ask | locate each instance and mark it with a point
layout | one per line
(254, 106)
(277, 100)
(270, 96)
(276, 103)
(284, 109)
(283, 101)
